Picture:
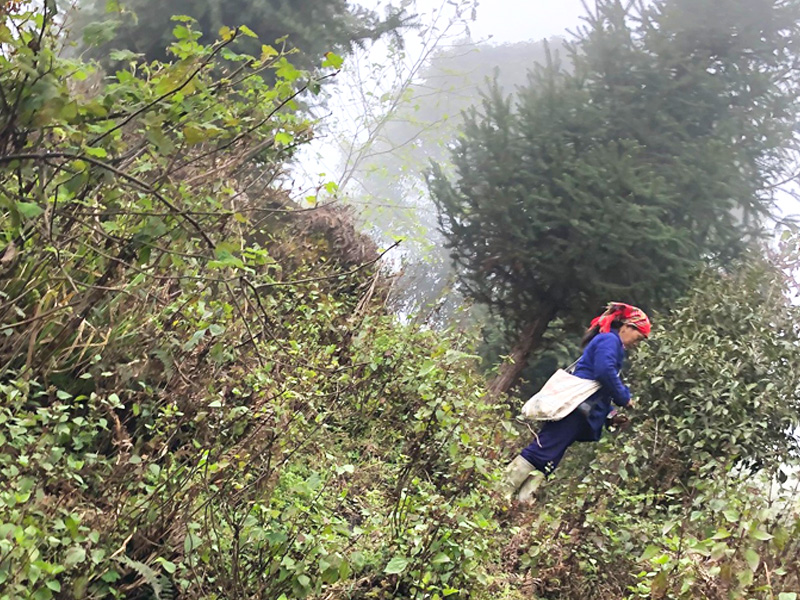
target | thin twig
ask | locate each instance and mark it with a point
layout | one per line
(328, 277)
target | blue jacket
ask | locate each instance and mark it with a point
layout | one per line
(601, 360)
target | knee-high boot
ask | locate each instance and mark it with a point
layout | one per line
(527, 491)
(517, 472)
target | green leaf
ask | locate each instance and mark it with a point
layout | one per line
(29, 210)
(96, 151)
(283, 137)
(247, 31)
(74, 556)
(731, 515)
(191, 542)
(216, 330)
(194, 134)
(761, 535)
(123, 55)
(650, 552)
(267, 52)
(110, 576)
(42, 594)
(181, 32)
(169, 567)
(752, 558)
(331, 187)
(721, 534)
(287, 71)
(397, 565)
(332, 60)
(441, 558)
(225, 33)
(427, 367)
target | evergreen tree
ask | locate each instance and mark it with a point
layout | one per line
(616, 181)
(313, 27)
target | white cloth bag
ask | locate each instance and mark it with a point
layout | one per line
(562, 394)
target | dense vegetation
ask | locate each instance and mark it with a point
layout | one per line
(198, 395)
(700, 499)
(203, 394)
(622, 176)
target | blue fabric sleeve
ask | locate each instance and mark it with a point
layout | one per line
(606, 363)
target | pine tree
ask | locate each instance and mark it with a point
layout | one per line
(616, 181)
(313, 27)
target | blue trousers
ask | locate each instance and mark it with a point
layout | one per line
(554, 438)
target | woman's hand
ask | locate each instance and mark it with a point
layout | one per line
(620, 421)
(631, 404)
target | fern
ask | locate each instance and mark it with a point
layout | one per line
(161, 585)
(167, 588)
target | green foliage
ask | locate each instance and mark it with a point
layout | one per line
(700, 500)
(724, 379)
(620, 179)
(200, 394)
(312, 28)
(730, 538)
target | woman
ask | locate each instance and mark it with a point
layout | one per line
(619, 328)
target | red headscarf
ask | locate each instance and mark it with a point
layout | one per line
(624, 313)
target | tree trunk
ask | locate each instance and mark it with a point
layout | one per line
(529, 339)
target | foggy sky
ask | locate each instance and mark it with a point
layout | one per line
(521, 20)
(505, 21)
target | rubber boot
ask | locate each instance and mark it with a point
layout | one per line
(527, 491)
(517, 472)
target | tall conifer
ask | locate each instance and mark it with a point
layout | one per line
(616, 180)
(312, 27)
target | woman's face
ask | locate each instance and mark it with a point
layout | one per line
(630, 336)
